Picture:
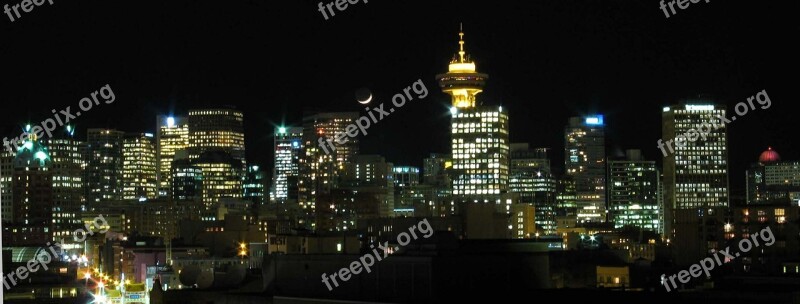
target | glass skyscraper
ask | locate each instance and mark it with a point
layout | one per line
(585, 162)
(634, 197)
(139, 167)
(288, 150)
(172, 136)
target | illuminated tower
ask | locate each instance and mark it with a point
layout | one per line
(254, 186)
(479, 141)
(103, 158)
(32, 186)
(6, 197)
(585, 162)
(221, 178)
(634, 193)
(321, 166)
(217, 129)
(67, 167)
(139, 167)
(288, 149)
(172, 136)
(462, 80)
(532, 179)
(695, 171)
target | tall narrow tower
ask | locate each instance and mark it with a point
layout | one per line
(479, 140)
(462, 80)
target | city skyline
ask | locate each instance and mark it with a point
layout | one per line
(712, 60)
(607, 150)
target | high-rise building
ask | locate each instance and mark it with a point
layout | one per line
(221, 178)
(585, 161)
(566, 197)
(365, 190)
(532, 179)
(634, 197)
(139, 167)
(103, 159)
(285, 177)
(172, 136)
(32, 186)
(435, 170)
(695, 171)
(6, 196)
(217, 129)
(405, 176)
(68, 195)
(320, 169)
(479, 138)
(186, 179)
(772, 181)
(254, 185)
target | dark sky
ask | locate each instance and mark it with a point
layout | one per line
(547, 60)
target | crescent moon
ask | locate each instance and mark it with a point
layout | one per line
(366, 101)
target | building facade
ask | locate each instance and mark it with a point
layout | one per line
(172, 136)
(695, 171)
(634, 197)
(585, 162)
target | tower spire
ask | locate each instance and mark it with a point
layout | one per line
(461, 51)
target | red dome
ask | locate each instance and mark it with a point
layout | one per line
(769, 157)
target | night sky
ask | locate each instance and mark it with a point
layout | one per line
(547, 61)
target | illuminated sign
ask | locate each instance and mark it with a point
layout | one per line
(699, 107)
(594, 120)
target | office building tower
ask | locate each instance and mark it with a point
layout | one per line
(531, 178)
(695, 171)
(323, 159)
(6, 196)
(566, 197)
(634, 198)
(434, 196)
(772, 181)
(172, 136)
(32, 188)
(221, 178)
(103, 159)
(186, 179)
(479, 138)
(254, 186)
(139, 167)
(68, 184)
(585, 162)
(369, 180)
(436, 170)
(405, 176)
(288, 150)
(217, 129)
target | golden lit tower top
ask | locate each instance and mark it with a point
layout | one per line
(462, 81)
